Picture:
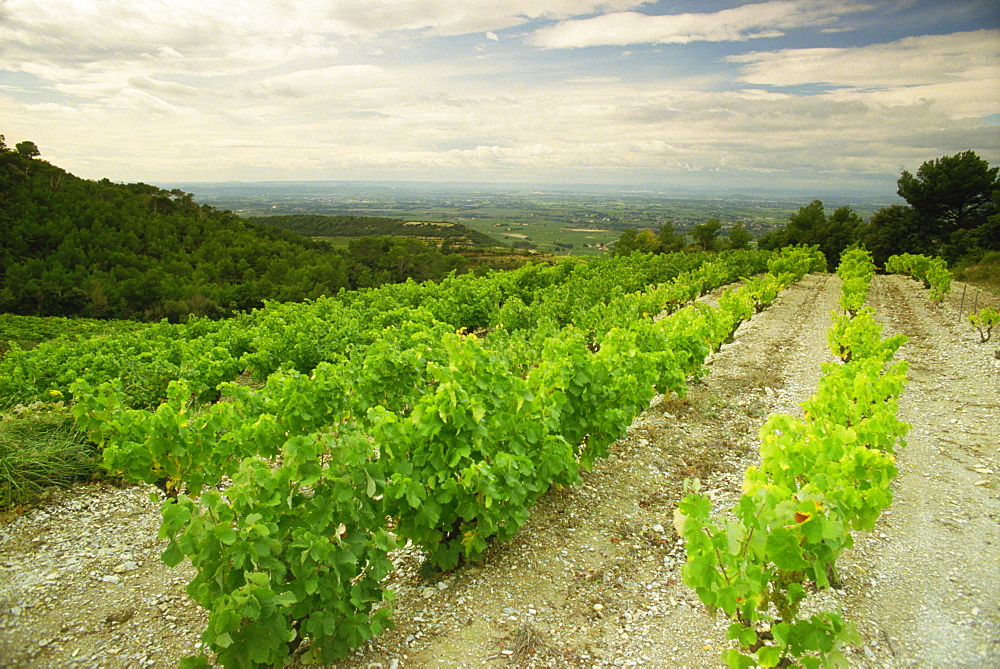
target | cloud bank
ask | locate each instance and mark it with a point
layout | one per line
(528, 90)
(746, 22)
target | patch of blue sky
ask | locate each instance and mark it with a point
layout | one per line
(29, 88)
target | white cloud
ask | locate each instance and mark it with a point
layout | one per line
(335, 79)
(910, 61)
(75, 31)
(960, 71)
(456, 17)
(161, 87)
(748, 21)
(592, 79)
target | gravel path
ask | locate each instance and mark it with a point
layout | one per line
(926, 585)
(593, 578)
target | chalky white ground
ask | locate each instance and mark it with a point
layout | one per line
(593, 579)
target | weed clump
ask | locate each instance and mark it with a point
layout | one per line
(41, 447)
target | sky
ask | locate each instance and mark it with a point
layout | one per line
(795, 95)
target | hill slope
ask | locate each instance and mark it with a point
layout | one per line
(77, 247)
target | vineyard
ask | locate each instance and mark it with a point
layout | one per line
(462, 412)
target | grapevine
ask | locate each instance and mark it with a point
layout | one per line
(932, 272)
(278, 494)
(984, 322)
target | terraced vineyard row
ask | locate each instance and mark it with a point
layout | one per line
(278, 493)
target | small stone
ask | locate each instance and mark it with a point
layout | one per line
(441, 585)
(122, 616)
(598, 607)
(658, 528)
(112, 578)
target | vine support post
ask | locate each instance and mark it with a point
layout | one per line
(961, 307)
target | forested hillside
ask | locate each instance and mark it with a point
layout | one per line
(316, 225)
(77, 247)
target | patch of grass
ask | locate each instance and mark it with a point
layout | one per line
(984, 273)
(40, 447)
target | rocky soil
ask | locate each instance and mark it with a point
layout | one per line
(593, 578)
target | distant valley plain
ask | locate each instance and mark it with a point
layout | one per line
(577, 220)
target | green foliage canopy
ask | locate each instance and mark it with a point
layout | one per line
(739, 237)
(644, 241)
(951, 193)
(706, 233)
(810, 225)
(955, 205)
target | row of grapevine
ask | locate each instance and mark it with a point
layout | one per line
(453, 436)
(299, 336)
(820, 477)
(934, 274)
(30, 330)
(932, 271)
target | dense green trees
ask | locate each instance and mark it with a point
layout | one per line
(892, 231)
(810, 225)
(705, 233)
(644, 241)
(373, 261)
(952, 210)
(27, 149)
(667, 240)
(953, 204)
(739, 237)
(70, 246)
(317, 225)
(951, 193)
(954, 199)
